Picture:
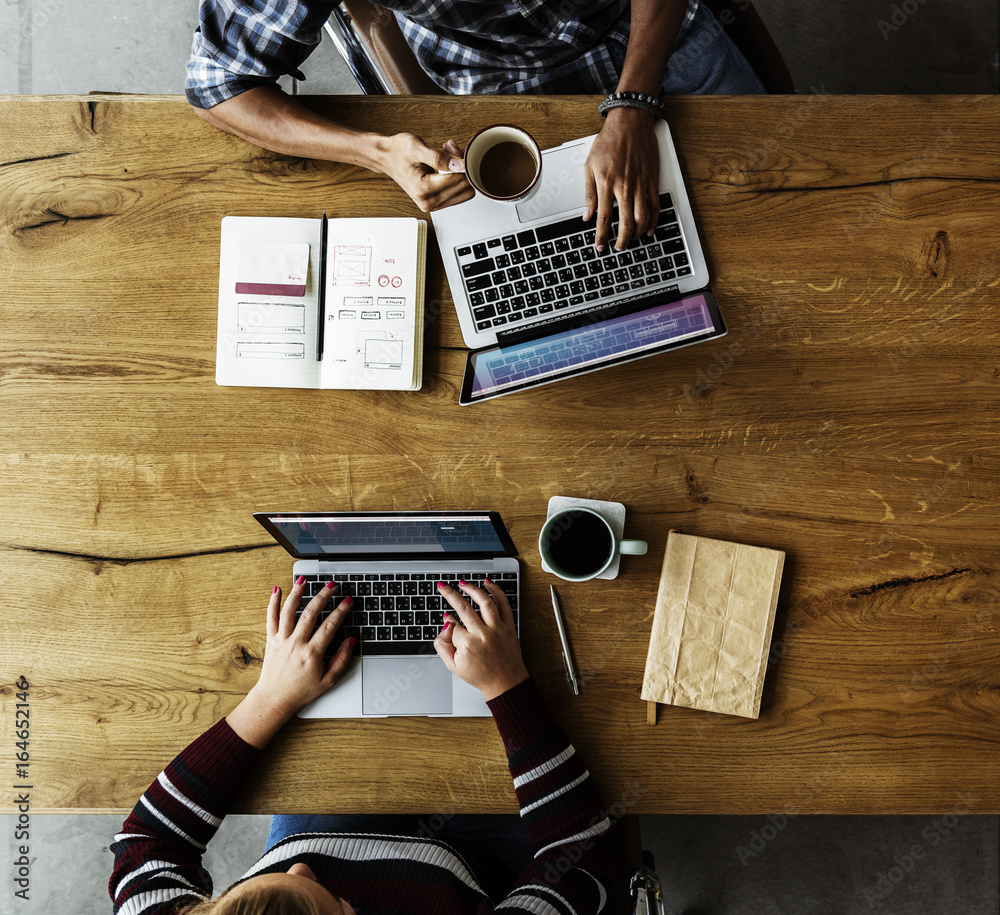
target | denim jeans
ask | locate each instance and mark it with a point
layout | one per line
(704, 61)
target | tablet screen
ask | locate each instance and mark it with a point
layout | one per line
(607, 337)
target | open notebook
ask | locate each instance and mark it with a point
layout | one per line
(317, 303)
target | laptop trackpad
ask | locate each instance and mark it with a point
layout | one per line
(405, 686)
(563, 186)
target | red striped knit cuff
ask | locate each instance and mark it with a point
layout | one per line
(521, 715)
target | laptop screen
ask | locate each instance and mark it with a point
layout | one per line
(620, 334)
(365, 535)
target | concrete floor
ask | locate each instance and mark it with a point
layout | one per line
(838, 865)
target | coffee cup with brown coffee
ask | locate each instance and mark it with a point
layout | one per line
(504, 163)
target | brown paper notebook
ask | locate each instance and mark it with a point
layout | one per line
(712, 625)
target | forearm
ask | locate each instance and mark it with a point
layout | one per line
(162, 840)
(256, 721)
(560, 805)
(655, 25)
(558, 798)
(622, 168)
(268, 118)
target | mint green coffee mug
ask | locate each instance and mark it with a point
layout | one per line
(578, 544)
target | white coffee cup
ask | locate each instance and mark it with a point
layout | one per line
(504, 163)
(578, 544)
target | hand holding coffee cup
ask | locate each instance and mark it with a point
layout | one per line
(504, 163)
(578, 544)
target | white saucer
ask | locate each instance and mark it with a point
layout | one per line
(612, 512)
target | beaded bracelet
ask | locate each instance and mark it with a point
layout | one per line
(631, 100)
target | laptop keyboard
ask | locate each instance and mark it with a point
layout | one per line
(395, 613)
(515, 278)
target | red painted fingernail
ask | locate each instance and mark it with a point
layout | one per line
(331, 585)
(274, 590)
(462, 583)
(354, 641)
(440, 584)
(488, 579)
(445, 627)
(348, 599)
(301, 580)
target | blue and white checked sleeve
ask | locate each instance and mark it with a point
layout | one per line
(242, 45)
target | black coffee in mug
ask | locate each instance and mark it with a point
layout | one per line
(507, 169)
(580, 544)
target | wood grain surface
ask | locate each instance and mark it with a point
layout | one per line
(849, 418)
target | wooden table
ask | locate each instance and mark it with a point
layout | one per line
(849, 418)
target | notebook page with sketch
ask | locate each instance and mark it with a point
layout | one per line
(269, 303)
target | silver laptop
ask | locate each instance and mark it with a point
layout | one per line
(529, 274)
(390, 562)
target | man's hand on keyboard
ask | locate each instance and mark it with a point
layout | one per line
(623, 167)
(483, 650)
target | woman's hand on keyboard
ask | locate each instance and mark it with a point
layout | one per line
(294, 671)
(484, 650)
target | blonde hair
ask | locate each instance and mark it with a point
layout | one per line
(273, 900)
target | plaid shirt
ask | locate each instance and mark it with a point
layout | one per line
(467, 46)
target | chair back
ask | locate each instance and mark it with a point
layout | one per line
(383, 40)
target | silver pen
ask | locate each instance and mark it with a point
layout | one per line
(566, 656)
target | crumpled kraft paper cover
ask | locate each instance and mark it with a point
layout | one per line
(712, 625)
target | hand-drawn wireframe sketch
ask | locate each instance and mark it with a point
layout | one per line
(352, 265)
(381, 350)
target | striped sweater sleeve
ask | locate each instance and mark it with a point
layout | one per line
(561, 807)
(158, 851)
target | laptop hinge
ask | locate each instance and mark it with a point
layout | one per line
(593, 315)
